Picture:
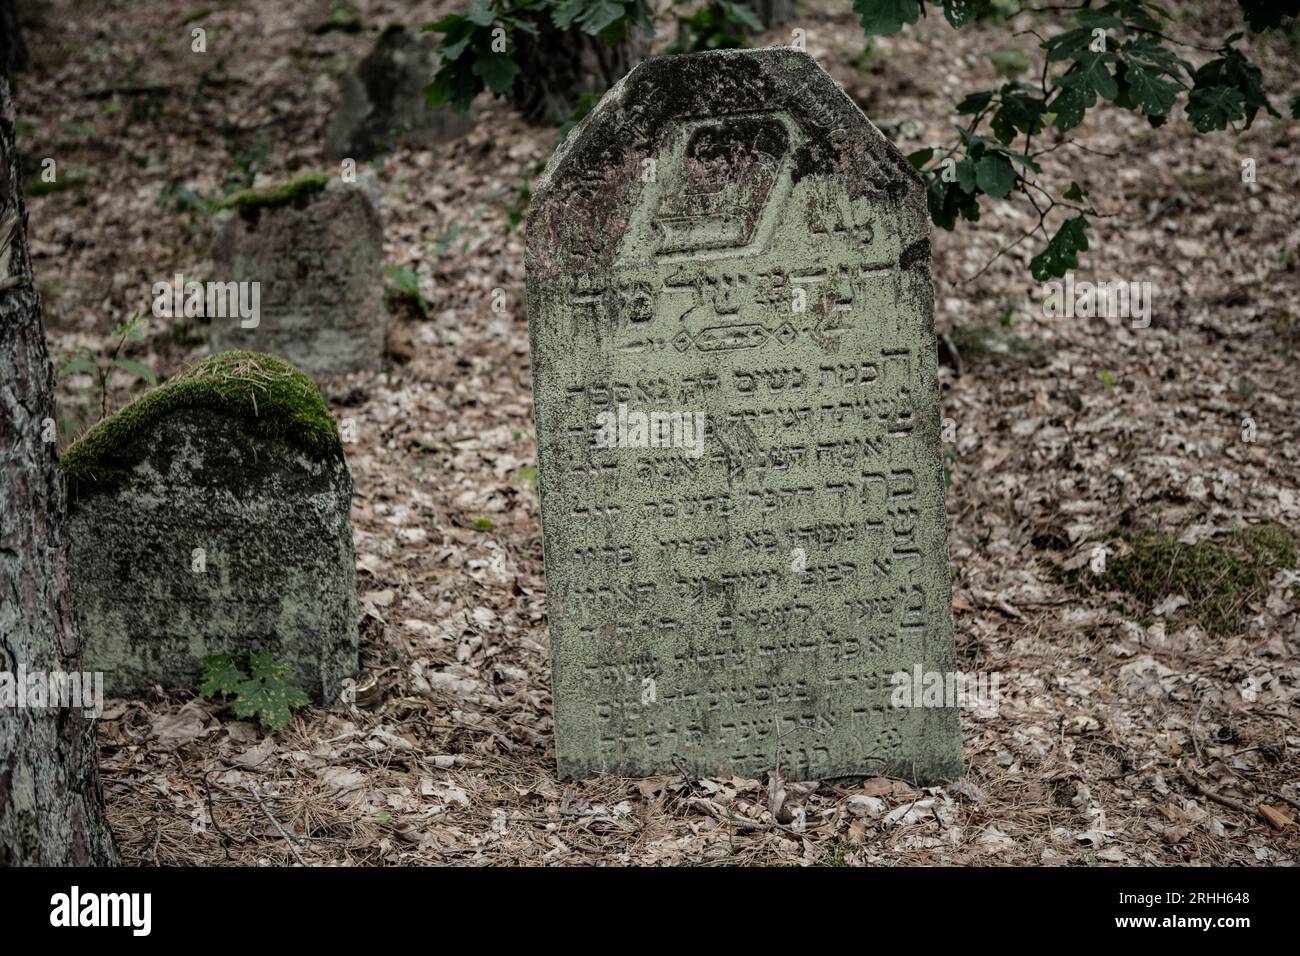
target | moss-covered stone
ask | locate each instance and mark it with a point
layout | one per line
(280, 194)
(270, 397)
(319, 268)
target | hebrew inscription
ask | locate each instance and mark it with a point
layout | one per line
(737, 417)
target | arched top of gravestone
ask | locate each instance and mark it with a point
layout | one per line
(697, 155)
(230, 394)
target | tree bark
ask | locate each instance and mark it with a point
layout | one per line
(51, 805)
(558, 66)
(13, 54)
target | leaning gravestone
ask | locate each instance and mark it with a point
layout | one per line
(382, 101)
(727, 245)
(212, 516)
(315, 248)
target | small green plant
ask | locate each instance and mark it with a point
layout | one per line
(837, 853)
(586, 103)
(472, 57)
(257, 685)
(1287, 329)
(1125, 52)
(949, 466)
(1009, 63)
(483, 524)
(100, 367)
(404, 287)
(869, 61)
(718, 25)
(249, 161)
(993, 344)
(446, 242)
(71, 176)
(1219, 577)
(343, 18)
(177, 197)
(516, 211)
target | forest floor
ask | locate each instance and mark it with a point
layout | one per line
(1131, 729)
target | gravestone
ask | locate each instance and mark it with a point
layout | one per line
(212, 516)
(315, 248)
(382, 101)
(726, 242)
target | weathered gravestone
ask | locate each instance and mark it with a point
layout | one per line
(728, 242)
(212, 516)
(382, 101)
(315, 247)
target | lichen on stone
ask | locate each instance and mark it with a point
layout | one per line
(274, 400)
(280, 194)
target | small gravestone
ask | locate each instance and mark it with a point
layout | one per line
(212, 516)
(314, 246)
(737, 417)
(382, 101)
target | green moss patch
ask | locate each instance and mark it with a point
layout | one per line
(274, 400)
(1219, 577)
(269, 197)
(992, 344)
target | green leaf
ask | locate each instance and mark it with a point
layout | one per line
(961, 12)
(919, 158)
(138, 369)
(995, 175)
(1069, 107)
(78, 364)
(445, 25)
(1067, 45)
(454, 50)
(498, 71)
(1021, 111)
(966, 177)
(268, 693)
(221, 675)
(1061, 252)
(1090, 74)
(599, 14)
(565, 12)
(1151, 92)
(1075, 193)
(1215, 107)
(882, 17)
(1295, 107)
(975, 102)
(481, 13)
(1263, 15)
(947, 200)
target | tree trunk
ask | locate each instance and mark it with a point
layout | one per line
(51, 806)
(557, 67)
(13, 55)
(773, 13)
